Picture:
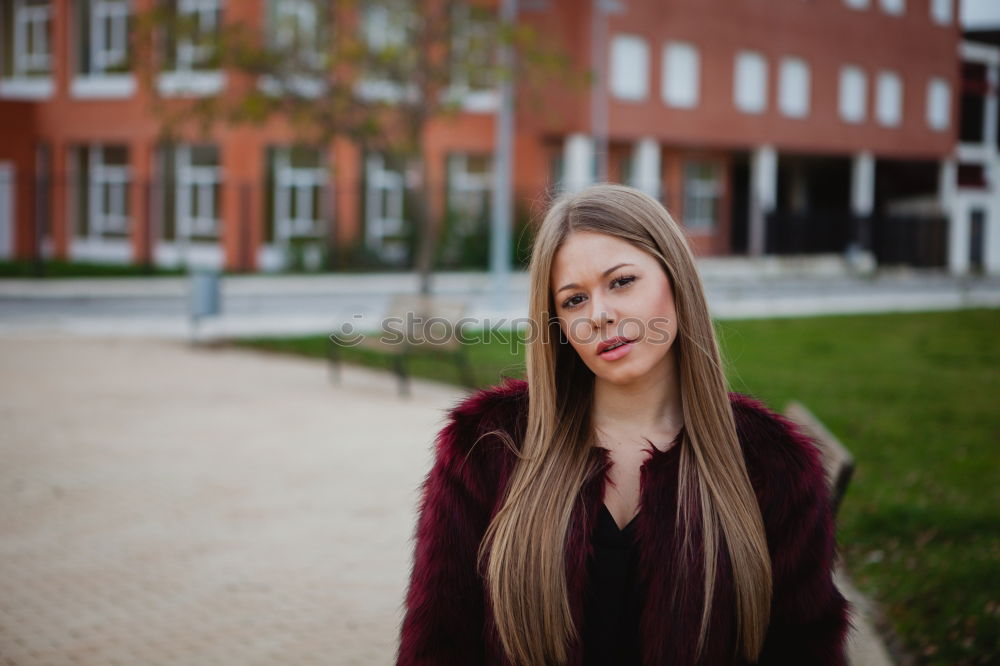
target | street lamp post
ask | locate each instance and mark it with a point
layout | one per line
(500, 231)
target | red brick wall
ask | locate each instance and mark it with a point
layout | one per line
(18, 148)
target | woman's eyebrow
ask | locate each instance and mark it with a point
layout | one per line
(573, 285)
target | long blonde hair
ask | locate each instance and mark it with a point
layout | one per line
(524, 546)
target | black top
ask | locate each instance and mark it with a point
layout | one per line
(614, 601)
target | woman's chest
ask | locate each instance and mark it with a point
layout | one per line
(622, 490)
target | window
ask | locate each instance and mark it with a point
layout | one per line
(199, 192)
(470, 189)
(629, 75)
(793, 88)
(894, 7)
(853, 98)
(26, 42)
(102, 30)
(191, 63)
(857, 4)
(299, 193)
(938, 104)
(974, 93)
(198, 22)
(100, 192)
(385, 226)
(298, 26)
(384, 26)
(702, 195)
(557, 170)
(941, 11)
(750, 82)
(387, 28)
(889, 101)
(470, 184)
(472, 50)
(680, 83)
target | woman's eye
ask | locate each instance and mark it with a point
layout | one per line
(625, 280)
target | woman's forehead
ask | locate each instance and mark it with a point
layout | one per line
(588, 264)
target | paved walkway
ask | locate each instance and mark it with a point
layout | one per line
(172, 505)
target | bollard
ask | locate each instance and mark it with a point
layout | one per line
(204, 298)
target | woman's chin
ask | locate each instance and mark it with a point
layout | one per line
(620, 376)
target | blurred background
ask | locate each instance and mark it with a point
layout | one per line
(205, 204)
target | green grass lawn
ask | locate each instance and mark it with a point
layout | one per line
(916, 398)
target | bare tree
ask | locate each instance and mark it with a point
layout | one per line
(373, 71)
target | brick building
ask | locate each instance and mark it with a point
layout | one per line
(791, 126)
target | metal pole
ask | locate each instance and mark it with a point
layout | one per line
(500, 231)
(598, 90)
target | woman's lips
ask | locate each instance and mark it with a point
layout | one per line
(617, 352)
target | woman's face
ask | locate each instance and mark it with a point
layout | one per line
(604, 287)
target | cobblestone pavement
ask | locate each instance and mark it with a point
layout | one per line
(170, 505)
(165, 504)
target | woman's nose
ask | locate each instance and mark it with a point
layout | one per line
(600, 312)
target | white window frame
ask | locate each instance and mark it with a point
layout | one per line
(680, 75)
(200, 183)
(628, 70)
(853, 94)
(461, 182)
(889, 99)
(893, 7)
(942, 11)
(36, 20)
(24, 82)
(938, 104)
(207, 12)
(698, 193)
(381, 28)
(113, 179)
(481, 99)
(98, 82)
(297, 183)
(184, 79)
(794, 87)
(383, 185)
(105, 54)
(750, 89)
(296, 17)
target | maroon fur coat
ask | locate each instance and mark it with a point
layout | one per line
(446, 609)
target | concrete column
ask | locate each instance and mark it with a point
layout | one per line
(953, 209)
(947, 184)
(763, 195)
(863, 184)
(646, 166)
(578, 162)
(958, 237)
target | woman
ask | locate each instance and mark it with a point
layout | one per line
(521, 556)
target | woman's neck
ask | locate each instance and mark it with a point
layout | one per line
(648, 405)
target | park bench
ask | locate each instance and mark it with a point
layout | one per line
(416, 324)
(837, 460)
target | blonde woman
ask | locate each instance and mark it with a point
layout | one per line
(620, 505)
